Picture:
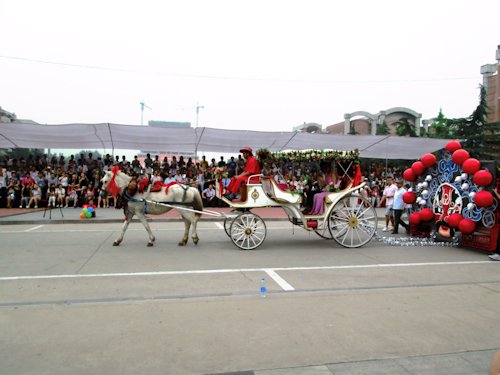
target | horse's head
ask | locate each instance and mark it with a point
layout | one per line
(108, 175)
(115, 181)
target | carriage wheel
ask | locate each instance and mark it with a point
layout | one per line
(248, 231)
(227, 225)
(324, 232)
(352, 224)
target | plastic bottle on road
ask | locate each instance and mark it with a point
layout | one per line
(263, 288)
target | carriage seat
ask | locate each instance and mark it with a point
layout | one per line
(274, 192)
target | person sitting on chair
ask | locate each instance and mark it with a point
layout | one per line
(251, 167)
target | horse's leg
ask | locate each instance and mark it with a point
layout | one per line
(124, 229)
(144, 222)
(194, 222)
(187, 225)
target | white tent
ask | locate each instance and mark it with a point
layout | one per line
(134, 137)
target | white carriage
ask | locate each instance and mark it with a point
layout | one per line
(348, 218)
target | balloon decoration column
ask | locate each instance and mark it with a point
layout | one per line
(454, 195)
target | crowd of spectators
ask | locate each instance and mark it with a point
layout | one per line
(72, 182)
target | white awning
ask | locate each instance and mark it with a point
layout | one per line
(188, 140)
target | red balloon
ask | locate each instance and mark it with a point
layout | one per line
(428, 160)
(408, 175)
(460, 156)
(418, 168)
(453, 146)
(483, 198)
(467, 226)
(455, 219)
(426, 214)
(409, 197)
(483, 178)
(415, 218)
(471, 166)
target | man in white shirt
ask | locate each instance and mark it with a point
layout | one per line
(388, 197)
(208, 195)
(398, 207)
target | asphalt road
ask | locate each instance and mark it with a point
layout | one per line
(70, 302)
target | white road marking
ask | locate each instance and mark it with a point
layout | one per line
(219, 225)
(279, 280)
(32, 229)
(194, 272)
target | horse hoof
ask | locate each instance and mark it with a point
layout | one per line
(116, 243)
(182, 243)
(195, 240)
(150, 244)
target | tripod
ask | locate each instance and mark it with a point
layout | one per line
(50, 207)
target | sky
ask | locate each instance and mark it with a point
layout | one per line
(260, 65)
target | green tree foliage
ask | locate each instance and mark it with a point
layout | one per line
(472, 130)
(442, 127)
(405, 128)
(382, 129)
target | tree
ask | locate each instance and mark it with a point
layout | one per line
(405, 128)
(382, 129)
(472, 130)
(442, 127)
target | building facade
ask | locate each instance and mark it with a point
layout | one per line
(491, 83)
(366, 123)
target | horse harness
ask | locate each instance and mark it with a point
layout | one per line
(131, 190)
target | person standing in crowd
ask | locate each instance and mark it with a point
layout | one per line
(221, 163)
(231, 167)
(252, 167)
(148, 165)
(12, 189)
(399, 207)
(388, 197)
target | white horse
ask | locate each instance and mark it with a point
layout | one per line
(140, 204)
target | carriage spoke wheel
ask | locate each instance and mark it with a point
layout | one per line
(227, 225)
(352, 221)
(247, 231)
(324, 232)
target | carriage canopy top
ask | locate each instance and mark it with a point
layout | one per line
(189, 140)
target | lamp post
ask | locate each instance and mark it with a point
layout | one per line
(198, 107)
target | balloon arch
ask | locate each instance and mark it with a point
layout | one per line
(454, 194)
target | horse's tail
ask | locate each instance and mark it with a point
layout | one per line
(197, 201)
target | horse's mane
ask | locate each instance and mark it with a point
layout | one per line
(122, 179)
(118, 182)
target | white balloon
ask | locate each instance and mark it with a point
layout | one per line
(423, 202)
(464, 176)
(410, 190)
(419, 186)
(428, 178)
(425, 184)
(472, 194)
(470, 206)
(458, 179)
(465, 186)
(425, 193)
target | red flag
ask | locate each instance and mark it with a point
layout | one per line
(357, 176)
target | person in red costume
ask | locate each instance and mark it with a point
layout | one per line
(251, 167)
